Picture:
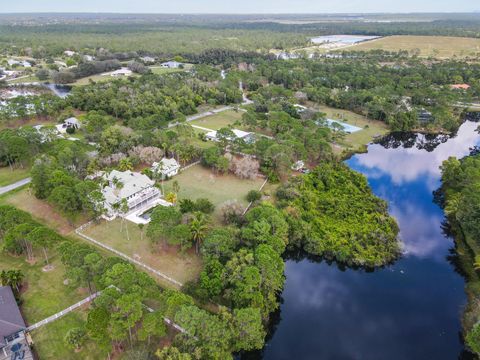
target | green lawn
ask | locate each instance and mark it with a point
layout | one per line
(199, 182)
(49, 344)
(31, 78)
(220, 120)
(8, 176)
(168, 260)
(44, 293)
(371, 128)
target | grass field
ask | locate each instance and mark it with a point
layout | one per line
(49, 344)
(40, 210)
(8, 176)
(31, 78)
(170, 261)
(359, 139)
(436, 46)
(220, 120)
(199, 182)
(44, 293)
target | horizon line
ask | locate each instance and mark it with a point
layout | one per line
(249, 13)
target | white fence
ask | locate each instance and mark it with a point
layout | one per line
(63, 312)
(87, 300)
(126, 257)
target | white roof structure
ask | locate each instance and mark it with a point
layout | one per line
(148, 59)
(171, 64)
(239, 134)
(69, 52)
(72, 121)
(168, 167)
(132, 183)
(121, 72)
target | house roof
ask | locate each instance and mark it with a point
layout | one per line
(72, 120)
(11, 320)
(122, 71)
(167, 164)
(133, 183)
(172, 63)
(460, 86)
(238, 133)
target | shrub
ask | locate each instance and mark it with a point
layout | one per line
(254, 195)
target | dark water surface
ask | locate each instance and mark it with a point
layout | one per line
(410, 310)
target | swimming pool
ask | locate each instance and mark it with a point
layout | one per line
(346, 127)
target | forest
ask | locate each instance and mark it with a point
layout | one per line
(461, 201)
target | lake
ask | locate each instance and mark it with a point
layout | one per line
(409, 310)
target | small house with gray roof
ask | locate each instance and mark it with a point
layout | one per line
(13, 344)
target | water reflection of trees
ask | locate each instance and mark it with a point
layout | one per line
(427, 142)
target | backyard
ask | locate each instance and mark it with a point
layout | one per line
(220, 120)
(44, 292)
(371, 128)
(49, 344)
(169, 260)
(199, 182)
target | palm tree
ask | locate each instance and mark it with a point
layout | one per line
(198, 229)
(12, 278)
(125, 164)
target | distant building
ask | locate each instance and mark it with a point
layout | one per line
(460, 87)
(13, 340)
(171, 64)
(287, 56)
(299, 165)
(166, 167)
(248, 137)
(69, 53)
(23, 63)
(72, 122)
(121, 72)
(137, 189)
(148, 59)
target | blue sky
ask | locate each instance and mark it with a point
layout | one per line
(239, 6)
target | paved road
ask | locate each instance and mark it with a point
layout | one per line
(5, 189)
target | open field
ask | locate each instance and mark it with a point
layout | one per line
(436, 46)
(22, 79)
(40, 210)
(360, 138)
(199, 182)
(8, 176)
(169, 260)
(220, 120)
(49, 344)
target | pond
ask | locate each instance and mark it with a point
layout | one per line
(409, 310)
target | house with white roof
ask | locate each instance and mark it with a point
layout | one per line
(148, 59)
(166, 167)
(71, 122)
(248, 137)
(136, 189)
(171, 64)
(121, 72)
